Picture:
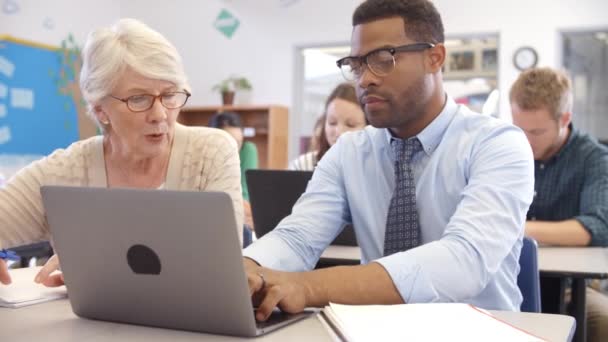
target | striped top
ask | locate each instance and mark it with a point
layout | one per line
(305, 162)
(201, 159)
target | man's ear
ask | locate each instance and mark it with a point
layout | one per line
(565, 119)
(436, 58)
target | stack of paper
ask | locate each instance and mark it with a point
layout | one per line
(23, 291)
(419, 322)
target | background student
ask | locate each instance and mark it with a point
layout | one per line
(248, 155)
(342, 114)
(570, 206)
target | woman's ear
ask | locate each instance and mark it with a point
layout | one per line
(101, 115)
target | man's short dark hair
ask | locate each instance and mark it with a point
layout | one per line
(225, 119)
(422, 21)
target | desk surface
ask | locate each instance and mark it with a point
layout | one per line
(576, 262)
(342, 253)
(54, 321)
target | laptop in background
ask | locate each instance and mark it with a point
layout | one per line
(169, 259)
(273, 193)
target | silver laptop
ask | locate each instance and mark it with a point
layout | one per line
(160, 258)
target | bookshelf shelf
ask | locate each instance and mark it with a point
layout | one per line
(265, 126)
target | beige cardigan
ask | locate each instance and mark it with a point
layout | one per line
(201, 159)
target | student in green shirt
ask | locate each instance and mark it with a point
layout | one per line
(248, 153)
(249, 160)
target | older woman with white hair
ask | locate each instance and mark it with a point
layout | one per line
(134, 83)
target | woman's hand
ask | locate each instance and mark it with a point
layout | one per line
(44, 276)
(5, 278)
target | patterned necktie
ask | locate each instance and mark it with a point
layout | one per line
(402, 227)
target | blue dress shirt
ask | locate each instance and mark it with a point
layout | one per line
(474, 184)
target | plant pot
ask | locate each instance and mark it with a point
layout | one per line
(227, 98)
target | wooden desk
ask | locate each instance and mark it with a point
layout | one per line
(54, 321)
(557, 265)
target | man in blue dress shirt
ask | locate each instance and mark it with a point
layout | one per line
(472, 180)
(570, 206)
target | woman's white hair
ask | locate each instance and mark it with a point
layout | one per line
(128, 43)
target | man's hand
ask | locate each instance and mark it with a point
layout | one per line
(281, 289)
(292, 292)
(270, 289)
(44, 276)
(251, 268)
(5, 278)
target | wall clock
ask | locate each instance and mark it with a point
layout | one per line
(525, 58)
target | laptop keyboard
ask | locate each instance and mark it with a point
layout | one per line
(276, 317)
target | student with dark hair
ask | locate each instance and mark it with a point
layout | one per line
(437, 194)
(248, 154)
(342, 114)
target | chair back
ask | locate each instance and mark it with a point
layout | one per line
(528, 279)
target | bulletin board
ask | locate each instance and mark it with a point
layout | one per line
(41, 107)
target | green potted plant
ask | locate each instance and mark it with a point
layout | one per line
(229, 86)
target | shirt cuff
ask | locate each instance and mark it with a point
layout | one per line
(597, 229)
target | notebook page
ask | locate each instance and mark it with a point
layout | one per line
(422, 322)
(24, 291)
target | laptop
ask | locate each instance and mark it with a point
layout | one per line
(168, 259)
(273, 193)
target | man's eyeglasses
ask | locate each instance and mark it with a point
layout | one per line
(143, 102)
(380, 61)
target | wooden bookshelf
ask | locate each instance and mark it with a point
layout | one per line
(268, 125)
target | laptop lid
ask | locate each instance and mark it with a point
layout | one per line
(167, 259)
(273, 193)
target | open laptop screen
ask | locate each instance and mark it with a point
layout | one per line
(273, 194)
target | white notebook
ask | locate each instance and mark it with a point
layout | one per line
(23, 291)
(419, 322)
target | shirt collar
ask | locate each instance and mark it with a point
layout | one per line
(572, 136)
(431, 135)
(569, 142)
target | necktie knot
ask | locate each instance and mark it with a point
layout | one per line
(405, 149)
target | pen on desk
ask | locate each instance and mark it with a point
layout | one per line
(8, 255)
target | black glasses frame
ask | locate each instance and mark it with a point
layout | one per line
(392, 50)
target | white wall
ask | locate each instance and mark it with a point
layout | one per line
(50, 22)
(536, 23)
(263, 47)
